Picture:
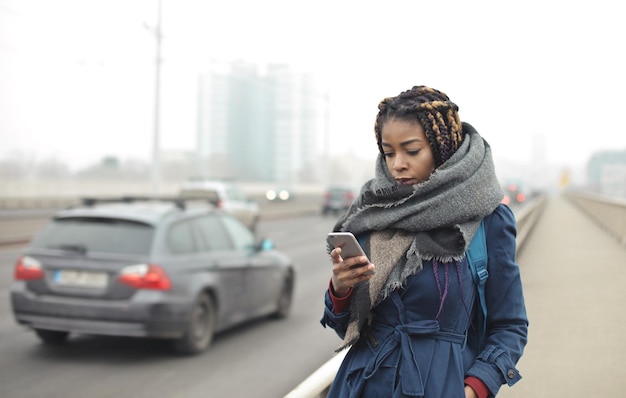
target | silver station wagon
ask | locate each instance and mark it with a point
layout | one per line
(148, 268)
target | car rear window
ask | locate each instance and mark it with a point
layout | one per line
(339, 193)
(235, 193)
(104, 235)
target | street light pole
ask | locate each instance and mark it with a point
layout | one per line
(155, 173)
(327, 174)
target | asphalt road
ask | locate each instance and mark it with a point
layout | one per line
(266, 358)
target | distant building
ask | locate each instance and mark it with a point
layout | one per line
(606, 173)
(255, 126)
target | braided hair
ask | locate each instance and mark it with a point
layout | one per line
(433, 110)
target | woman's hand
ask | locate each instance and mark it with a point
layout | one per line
(470, 393)
(348, 272)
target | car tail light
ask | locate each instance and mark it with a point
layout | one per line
(28, 268)
(520, 197)
(506, 200)
(145, 276)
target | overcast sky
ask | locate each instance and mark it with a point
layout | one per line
(77, 76)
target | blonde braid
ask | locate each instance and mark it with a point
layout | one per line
(433, 110)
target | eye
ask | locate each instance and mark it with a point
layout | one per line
(413, 152)
(388, 154)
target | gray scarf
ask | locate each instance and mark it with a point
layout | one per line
(435, 219)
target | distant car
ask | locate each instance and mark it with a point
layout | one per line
(337, 199)
(278, 195)
(513, 194)
(148, 269)
(227, 196)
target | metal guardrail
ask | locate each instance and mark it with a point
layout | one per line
(318, 383)
(37, 202)
(608, 212)
(526, 218)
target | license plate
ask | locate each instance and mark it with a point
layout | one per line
(80, 278)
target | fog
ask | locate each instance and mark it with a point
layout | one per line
(542, 81)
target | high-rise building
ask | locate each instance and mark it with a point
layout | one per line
(257, 125)
(606, 173)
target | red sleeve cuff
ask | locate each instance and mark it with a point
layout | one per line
(478, 386)
(340, 304)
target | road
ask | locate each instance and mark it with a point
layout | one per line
(266, 358)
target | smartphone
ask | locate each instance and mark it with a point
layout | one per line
(350, 247)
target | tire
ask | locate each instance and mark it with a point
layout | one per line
(283, 305)
(201, 328)
(52, 337)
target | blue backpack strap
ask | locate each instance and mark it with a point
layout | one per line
(361, 239)
(477, 258)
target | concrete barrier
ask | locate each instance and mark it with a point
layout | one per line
(608, 212)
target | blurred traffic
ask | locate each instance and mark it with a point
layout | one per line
(173, 269)
(278, 195)
(337, 199)
(513, 194)
(224, 195)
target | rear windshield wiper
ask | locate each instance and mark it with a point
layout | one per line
(76, 247)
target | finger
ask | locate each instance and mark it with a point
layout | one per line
(358, 261)
(365, 270)
(335, 254)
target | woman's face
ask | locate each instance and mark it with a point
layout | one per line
(407, 153)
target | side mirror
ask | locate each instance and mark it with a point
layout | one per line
(266, 244)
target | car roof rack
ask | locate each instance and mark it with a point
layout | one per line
(179, 202)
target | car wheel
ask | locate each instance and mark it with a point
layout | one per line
(201, 327)
(286, 297)
(52, 337)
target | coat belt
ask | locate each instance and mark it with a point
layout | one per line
(412, 382)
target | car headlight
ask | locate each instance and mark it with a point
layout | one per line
(284, 195)
(270, 195)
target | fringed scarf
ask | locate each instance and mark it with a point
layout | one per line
(435, 219)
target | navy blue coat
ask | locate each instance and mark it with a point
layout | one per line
(415, 347)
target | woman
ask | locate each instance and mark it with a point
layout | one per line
(410, 324)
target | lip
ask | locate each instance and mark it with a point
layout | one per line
(406, 181)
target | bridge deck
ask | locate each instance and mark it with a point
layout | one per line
(574, 276)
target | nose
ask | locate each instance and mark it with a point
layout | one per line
(399, 162)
